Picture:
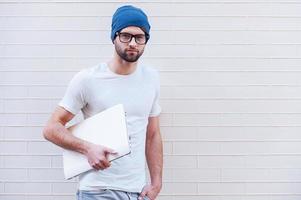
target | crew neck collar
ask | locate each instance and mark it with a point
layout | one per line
(120, 75)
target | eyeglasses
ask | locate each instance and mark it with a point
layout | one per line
(127, 37)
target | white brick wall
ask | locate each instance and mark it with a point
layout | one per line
(231, 82)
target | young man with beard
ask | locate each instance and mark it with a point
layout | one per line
(120, 80)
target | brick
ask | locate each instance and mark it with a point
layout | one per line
(196, 197)
(1, 105)
(221, 161)
(288, 197)
(277, 161)
(27, 106)
(237, 148)
(13, 175)
(13, 119)
(196, 175)
(57, 9)
(46, 91)
(1, 187)
(179, 133)
(1, 133)
(244, 175)
(168, 175)
(196, 148)
(221, 188)
(218, 51)
(12, 147)
(179, 188)
(249, 133)
(57, 161)
(200, 23)
(63, 188)
(180, 162)
(264, 119)
(289, 174)
(1, 161)
(38, 119)
(167, 148)
(52, 197)
(37, 188)
(194, 119)
(230, 106)
(45, 175)
(224, 64)
(56, 78)
(24, 133)
(61, 50)
(12, 197)
(61, 23)
(281, 24)
(43, 148)
(285, 147)
(14, 91)
(229, 78)
(58, 37)
(166, 119)
(164, 197)
(244, 197)
(27, 161)
(272, 188)
(34, 64)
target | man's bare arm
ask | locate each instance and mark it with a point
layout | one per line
(154, 157)
(56, 132)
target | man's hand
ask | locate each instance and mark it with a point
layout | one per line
(98, 156)
(150, 191)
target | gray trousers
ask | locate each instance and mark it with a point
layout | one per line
(107, 194)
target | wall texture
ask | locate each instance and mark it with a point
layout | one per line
(231, 93)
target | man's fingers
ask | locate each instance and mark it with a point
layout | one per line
(142, 195)
(105, 163)
(98, 165)
(110, 151)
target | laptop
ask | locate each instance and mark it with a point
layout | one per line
(107, 128)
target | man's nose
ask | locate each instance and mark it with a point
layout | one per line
(133, 42)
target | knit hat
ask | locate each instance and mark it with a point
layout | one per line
(129, 16)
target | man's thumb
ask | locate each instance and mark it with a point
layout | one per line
(110, 151)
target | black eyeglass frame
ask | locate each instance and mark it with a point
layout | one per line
(133, 36)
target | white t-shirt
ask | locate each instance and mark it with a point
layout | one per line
(95, 89)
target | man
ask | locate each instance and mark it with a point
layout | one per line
(92, 90)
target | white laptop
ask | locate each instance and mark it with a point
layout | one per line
(107, 128)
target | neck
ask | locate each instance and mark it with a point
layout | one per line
(120, 66)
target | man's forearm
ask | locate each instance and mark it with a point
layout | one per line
(59, 135)
(154, 156)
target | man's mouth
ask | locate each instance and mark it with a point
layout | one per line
(132, 51)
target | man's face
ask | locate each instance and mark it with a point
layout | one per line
(129, 51)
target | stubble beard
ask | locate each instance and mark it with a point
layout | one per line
(128, 56)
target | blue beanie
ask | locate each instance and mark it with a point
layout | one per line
(129, 16)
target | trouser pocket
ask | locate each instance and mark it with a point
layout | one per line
(91, 195)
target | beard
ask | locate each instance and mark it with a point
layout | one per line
(128, 54)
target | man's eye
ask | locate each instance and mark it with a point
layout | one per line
(126, 36)
(140, 37)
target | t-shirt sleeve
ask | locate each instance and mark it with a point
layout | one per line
(156, 108)
(74, 98)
